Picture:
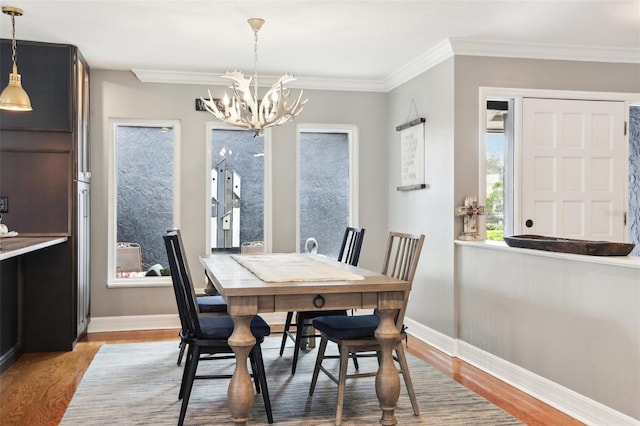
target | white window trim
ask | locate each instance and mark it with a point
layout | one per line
(354, 173)
(268, 172)
(112, 280)
(517, 94)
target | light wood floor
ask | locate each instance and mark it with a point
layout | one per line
(36, 390)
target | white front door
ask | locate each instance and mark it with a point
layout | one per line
(574, 169)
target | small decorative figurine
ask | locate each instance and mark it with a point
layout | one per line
(470, 211)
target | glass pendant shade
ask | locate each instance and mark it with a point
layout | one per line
(13, 97)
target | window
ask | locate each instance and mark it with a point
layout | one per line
(144, 200)
(498, 167)
(238, 173)
(327, 186)
(237, 188)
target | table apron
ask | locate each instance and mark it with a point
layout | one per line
(247, 305)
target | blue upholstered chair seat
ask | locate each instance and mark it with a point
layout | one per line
(212, 304)
(349, 327)
(221, 327)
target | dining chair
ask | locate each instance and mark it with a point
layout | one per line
(349, 253)
(211, 304)
(208, 335)
(355, 334)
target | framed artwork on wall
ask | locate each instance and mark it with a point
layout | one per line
(412, 155)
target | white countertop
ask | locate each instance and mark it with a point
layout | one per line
(624, 261)
(16, 246)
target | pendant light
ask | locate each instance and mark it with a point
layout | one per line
(13, 97)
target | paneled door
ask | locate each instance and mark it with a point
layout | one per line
(574, 169)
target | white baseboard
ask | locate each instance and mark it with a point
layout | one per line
(133, 322)
(578, 406)
(156, 322)
(572, 403)
(438, 340)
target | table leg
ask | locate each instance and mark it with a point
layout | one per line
(240, 393)
(387, 379)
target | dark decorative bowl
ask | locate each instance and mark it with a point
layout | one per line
(566, 245)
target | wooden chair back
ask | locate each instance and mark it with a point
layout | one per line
(351, 245)
(182, 287)
(401, 261)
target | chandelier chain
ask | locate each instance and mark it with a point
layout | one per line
(13, 39)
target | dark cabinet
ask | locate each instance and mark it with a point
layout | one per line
(46, 70)
(45, 173)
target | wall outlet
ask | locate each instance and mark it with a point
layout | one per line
(4, 204)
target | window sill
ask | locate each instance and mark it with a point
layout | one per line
(146, 282)
(623, 261)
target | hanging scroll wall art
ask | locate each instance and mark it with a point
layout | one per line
(412, 155)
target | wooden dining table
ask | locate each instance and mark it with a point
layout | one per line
(247, 295)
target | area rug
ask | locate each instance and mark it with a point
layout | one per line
(138, 383)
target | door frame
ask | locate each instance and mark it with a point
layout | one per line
(517, 94)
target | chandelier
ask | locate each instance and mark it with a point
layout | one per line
(244, 109)
(13, 97)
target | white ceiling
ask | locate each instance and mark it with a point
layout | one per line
(341, 40)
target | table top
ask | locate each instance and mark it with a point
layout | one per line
(16, 246)
(232, 279)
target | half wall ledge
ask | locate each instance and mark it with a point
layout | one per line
(621, 261)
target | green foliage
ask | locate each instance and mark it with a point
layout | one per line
(495, 234)
(494, 165)
(494, 209)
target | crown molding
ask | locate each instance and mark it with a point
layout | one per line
(179, 77)
(510, 49)
(434, 56)
(211, 79)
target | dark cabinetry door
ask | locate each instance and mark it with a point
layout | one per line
(37, 184)
(47, 78)
(44, 172)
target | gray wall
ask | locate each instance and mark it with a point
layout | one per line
(451, 89)
(119, 94)
(573, 322)
(427, 211)
(441, 300)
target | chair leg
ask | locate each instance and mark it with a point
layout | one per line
(191, 374)
(185, 370)
(354, 357)
(298, 343)
(319, 358)
(287, 325)
(402, 359)
(254, 371)
(342, 379)
(181, 353)
(262, 378)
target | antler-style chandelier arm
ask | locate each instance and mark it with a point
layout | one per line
(244, 109)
